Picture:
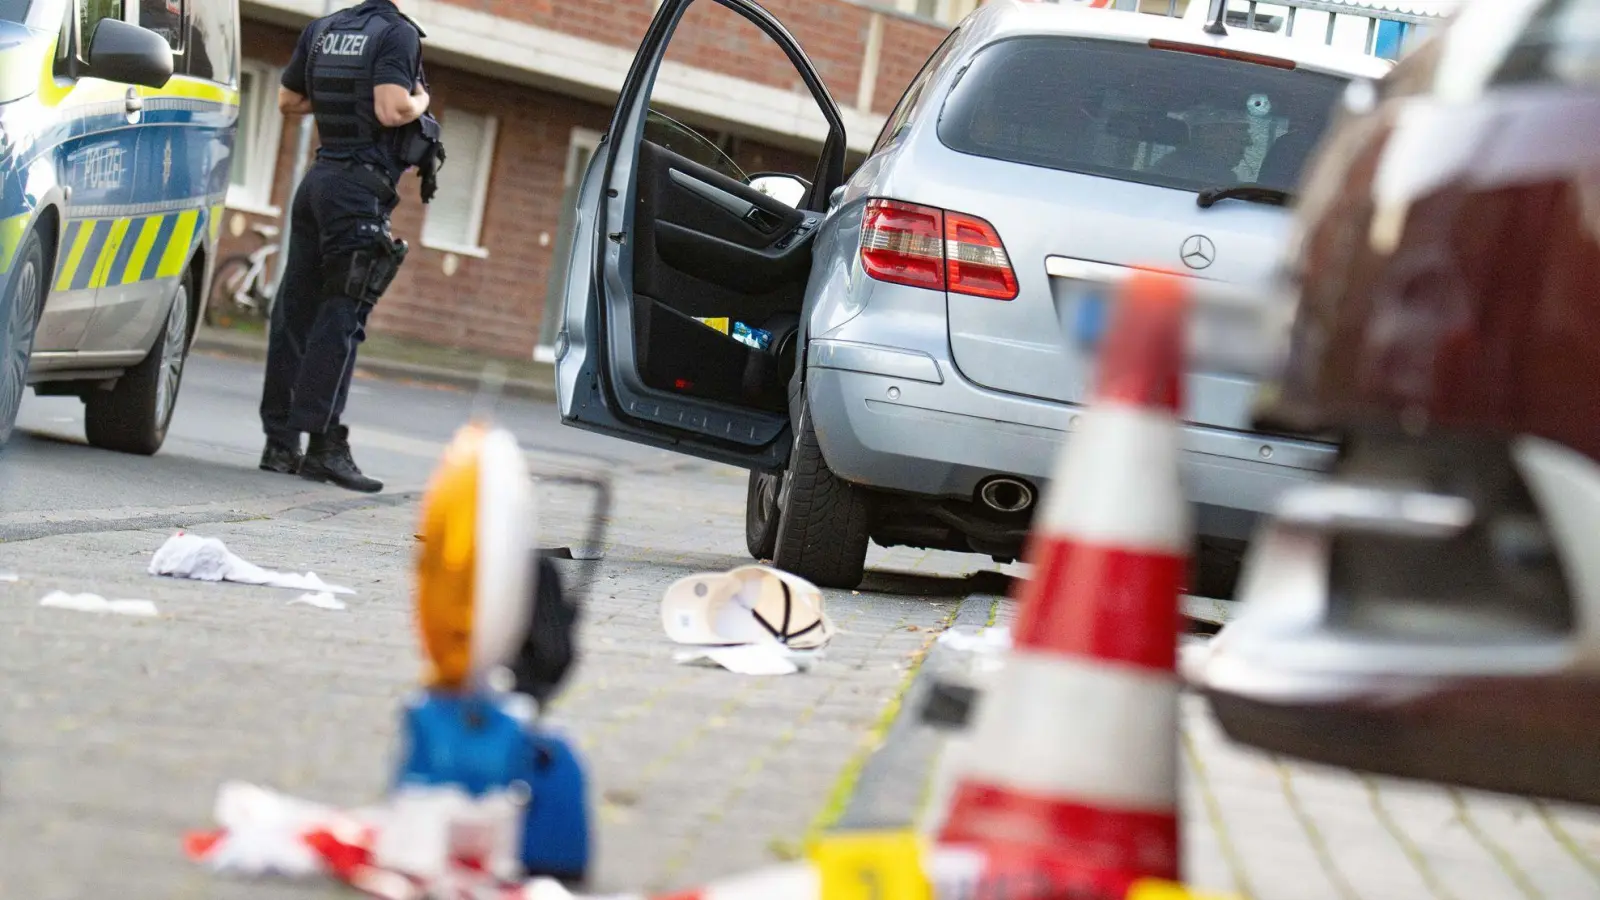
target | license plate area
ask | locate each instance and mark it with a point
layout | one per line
(1229, 330)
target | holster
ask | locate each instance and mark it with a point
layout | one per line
(366, 273)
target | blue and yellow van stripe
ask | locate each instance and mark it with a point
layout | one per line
(12, 229)
(108, 252)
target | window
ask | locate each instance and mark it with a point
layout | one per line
(947, 11)
(690, 144)
(579, 152)
(255, 147)
(90, 12)
(211, 47)
(164, 17)
(1133, 113)
(455, 217)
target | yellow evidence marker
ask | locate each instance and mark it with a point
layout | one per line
(871, 865)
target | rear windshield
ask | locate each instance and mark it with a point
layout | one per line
(1134, 113)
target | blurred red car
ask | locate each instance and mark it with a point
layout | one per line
(1433, 610)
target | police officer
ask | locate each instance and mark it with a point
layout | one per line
(359, 73)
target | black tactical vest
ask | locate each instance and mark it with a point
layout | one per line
(339, 78)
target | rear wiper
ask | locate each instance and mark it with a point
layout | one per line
(1255, 193)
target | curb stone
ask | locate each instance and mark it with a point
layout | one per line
(891, 788)
(212, 340)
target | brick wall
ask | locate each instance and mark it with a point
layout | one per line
(906, 46)
(495, 305)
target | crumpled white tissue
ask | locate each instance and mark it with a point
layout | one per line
(208, 559)
(97, 603)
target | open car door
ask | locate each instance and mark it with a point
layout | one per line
(687, 277)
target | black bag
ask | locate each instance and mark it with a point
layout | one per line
(546, 655)
(421, 145)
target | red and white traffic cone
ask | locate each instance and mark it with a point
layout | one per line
(1073, 755)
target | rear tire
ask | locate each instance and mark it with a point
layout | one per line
(825, 521)
(761, 514)
(19, 319)
(1217, 566)
(133, 416)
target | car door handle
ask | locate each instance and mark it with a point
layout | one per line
(134, 102)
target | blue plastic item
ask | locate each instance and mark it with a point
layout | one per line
(476, 742)
(759, 338)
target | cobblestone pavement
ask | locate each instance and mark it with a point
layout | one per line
(115, 732)
(1267, 828)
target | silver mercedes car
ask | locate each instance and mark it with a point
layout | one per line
(898, 354)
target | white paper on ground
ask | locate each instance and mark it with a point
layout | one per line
(208, 559)
(323, 600)
(986, 640)
(8, 578)
(752, 659)
(97, 603)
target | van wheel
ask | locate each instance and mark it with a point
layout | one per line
(19, 318)
(133, 416)
(824, 521)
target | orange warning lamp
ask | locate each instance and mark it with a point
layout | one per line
(475, 568)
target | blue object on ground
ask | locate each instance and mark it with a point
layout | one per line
(476, 741)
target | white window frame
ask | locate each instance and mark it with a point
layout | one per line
(581, 139)
(947, 12)
(473, 246)
(255, 196)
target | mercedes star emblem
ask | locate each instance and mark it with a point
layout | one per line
(1198, 252)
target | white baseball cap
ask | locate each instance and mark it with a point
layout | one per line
(746, 605)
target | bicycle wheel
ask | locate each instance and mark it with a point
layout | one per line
(222, 303)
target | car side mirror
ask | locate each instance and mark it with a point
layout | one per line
(786, 189)
(129, 54)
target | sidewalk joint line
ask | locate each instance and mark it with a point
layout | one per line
(1408, 847)
(1501, 857)
(1566, 840)
(844, 786)
(1319, 844)
(1230, 853)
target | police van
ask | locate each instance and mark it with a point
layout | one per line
(117, 123)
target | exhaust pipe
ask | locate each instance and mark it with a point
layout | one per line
(1006, 495)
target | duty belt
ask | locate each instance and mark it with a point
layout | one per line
(370, 175)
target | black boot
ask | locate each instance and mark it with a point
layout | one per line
(328, 459)
(281, 458)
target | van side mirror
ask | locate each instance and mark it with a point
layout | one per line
(129, 54)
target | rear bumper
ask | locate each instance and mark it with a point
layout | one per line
(903, 421)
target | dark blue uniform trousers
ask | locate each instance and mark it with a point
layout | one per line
(315, 331)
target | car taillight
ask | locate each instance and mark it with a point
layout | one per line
(927, 247)
(975, 260)
(902, 243)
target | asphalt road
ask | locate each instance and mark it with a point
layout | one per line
(215, 441)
